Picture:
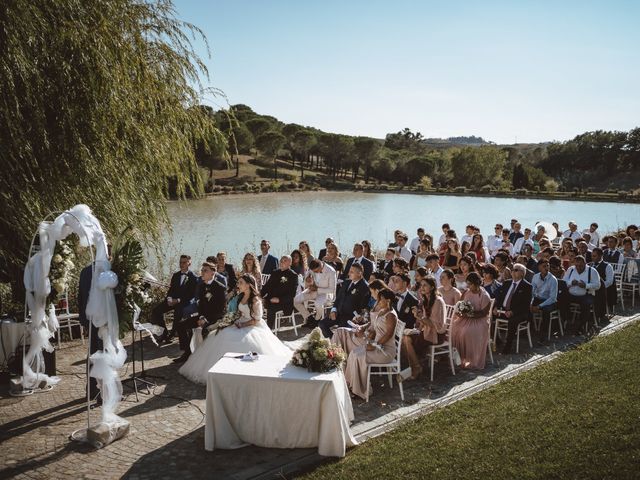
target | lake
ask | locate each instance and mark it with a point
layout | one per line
(237, 223)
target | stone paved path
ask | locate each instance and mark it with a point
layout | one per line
(166, 440)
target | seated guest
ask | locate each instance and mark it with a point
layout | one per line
(333, 259)
(507, 245)
(212, 305)
(544, 292)
(494, 242)
(394, 244)
(582, 280)
(430, 323)
(612, 254)
(386, 265)
(322, 290)
(192, 307)
(583, 249)
(366, 251)
(593, 233)
(450, 293)
(323, 251)
(545, 253)
(607, 294)
(358, 259)
(251, 266)
(303, 246)
(181, 290)
(470, 333)
(434, 267)
(515, 233)
(627, 248)
(226, 269)
(529, 262)
(402, 250)
(489, 279)
(421, 273)
(404, 300)
(513, 303)
(424, 251)
(466, 267)
(443, 238)
(537, 238)
(299, 262)
(522, 241)
(400, 265)
(468, 234)
(555, 267)
(379, 346)
(477, 247)
(501, 262)
(573, 232)
(268, 263)
(415, 243)
(452, 254)
(280, 290)
(353, 296)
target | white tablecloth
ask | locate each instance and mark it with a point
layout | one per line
(270, 403)
(10, 338)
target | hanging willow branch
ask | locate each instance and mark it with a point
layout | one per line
(98, 106)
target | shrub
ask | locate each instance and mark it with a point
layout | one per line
(520, 191)
(460, 190)
(425, 182)
(622, 194)
(486, 189)
(551, 185)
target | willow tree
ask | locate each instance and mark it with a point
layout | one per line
(97, 107)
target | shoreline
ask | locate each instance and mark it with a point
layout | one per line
(599, 197)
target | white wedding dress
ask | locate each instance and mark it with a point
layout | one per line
(258, 338)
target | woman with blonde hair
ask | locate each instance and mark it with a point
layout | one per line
(251, 266)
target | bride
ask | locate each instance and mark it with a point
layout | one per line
(250, 333)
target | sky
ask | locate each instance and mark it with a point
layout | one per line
(508, 71)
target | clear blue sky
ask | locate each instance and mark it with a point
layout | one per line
(535, 70)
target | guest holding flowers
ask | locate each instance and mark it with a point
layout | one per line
(430, 325)
(379, 346)
(470, 332)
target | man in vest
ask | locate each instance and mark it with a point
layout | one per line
(583, 281)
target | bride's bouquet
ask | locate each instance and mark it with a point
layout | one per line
(464, 308)
(229, 319)
(319, 354)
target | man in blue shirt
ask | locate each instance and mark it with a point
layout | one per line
(544, 298)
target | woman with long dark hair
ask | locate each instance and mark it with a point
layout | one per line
(430, 325)
(248, 333)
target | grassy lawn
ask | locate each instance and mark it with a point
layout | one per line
(576, 417)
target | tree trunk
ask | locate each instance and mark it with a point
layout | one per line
(302, 166)
(237, 165)
(275, 168)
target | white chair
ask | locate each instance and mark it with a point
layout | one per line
(574, 310)
(553, 315)
(444, 348)
(627, 284)
(502, 325)
(264, 277)
(280, 317)
(490, 344)
(389, 369)
(67, 320)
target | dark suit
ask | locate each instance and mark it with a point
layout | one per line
(84, 287)
(350, 298)
(513, 236)
(611, 255)
(386, 268)
(520, 307)
(192, 308)
(283, 285)
(212, 304)
(270, 264)
(178, 289)
(367, 265)
(405, 314)
(322, 254)
(230, 274)
(604, 296)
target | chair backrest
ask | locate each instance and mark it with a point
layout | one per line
(398, 339)
(264, 277)
(448, 314)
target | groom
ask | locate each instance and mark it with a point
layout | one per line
(212, 305)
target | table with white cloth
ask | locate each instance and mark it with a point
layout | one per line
(270, 403)
(10, 337)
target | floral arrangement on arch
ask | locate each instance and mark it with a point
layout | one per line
(131, 292)
(319, 354)
(62, 263)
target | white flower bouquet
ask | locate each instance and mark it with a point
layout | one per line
(464, 308)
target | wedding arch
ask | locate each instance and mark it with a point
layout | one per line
(101, 311)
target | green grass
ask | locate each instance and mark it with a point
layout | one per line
(575, 417)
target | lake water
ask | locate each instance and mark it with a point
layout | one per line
(237, 223)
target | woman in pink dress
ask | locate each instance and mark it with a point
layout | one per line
(470, 333)
(380, 347)
(449, 291)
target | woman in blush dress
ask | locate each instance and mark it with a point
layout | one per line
(466, 267)
(249, 333)
(448, 289)
(420, 258)
(470, 333)
(333, 258)
(379, 346)
(430, 325)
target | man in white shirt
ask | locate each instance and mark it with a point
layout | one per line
(494, 242)
(321, 289)
(402, 249)
(573, 232)
(443, 237)
(582, 281)
(434, 267)
(594, 234)
(522, 241)
(415, 243)
(468, 235)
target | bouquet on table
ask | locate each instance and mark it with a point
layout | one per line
(464, 308)
(319, 354)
